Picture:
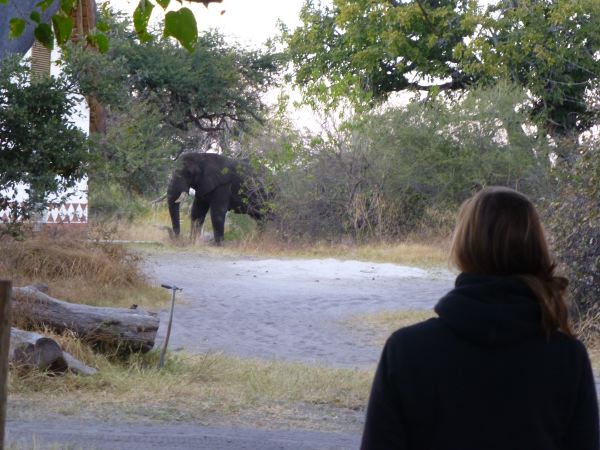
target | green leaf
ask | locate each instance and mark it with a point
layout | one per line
(35, 16)
(63, 26)
(3, 2)
(100, 41)
(44, 4)
(43, 33)
(141, 16)
(182, 26)
(16, 27)
(163, 3)
(67, 5)
(102, 26)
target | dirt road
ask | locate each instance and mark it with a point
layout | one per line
(75, 434)
(291, 310)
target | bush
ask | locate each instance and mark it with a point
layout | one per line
(573, 219)
(111, 201)
(404, 170)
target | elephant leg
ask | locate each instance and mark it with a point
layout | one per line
(199, 210)
(219, 205)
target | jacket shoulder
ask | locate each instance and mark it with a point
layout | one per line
(561, 343)
(419, 333)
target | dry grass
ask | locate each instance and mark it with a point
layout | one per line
(242, 238)
(406, 253)
(378, 326)
(587, 328)
(150, 227)
(416, 254)
(390, 321)
(594, 352)
(78, 270)
(206, 388)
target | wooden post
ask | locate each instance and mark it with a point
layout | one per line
(5, 322)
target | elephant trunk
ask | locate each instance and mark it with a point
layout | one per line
(174, 213)
(178, 188)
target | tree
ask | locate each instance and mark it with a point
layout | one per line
(367, 49)
(214, 87)
(550, 48)
(41, 147)
(134, 153)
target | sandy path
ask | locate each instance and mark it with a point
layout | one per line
(287, 309)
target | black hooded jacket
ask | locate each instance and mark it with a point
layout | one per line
(483, 376)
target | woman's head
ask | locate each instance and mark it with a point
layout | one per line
(500, 233)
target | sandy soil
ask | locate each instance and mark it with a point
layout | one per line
(293, 310)
(290, 310)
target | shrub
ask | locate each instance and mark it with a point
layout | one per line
(573, 219)
(406, 169)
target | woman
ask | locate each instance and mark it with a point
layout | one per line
(499, 368)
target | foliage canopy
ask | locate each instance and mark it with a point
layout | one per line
(214, 86)
(366, 49)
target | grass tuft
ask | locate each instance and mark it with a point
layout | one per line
(403, 252)
(79, 270)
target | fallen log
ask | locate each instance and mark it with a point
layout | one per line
(110, 329)
(29, 349)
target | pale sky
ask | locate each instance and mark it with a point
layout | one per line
(250, 22)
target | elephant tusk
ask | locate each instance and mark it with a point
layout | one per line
(181, 197)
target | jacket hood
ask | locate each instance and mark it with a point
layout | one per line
(491, 310)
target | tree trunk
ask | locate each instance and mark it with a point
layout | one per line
(29, 349)
(111, 329)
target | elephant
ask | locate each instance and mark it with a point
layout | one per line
(222, 184)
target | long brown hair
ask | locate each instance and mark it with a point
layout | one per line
(500, 233)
